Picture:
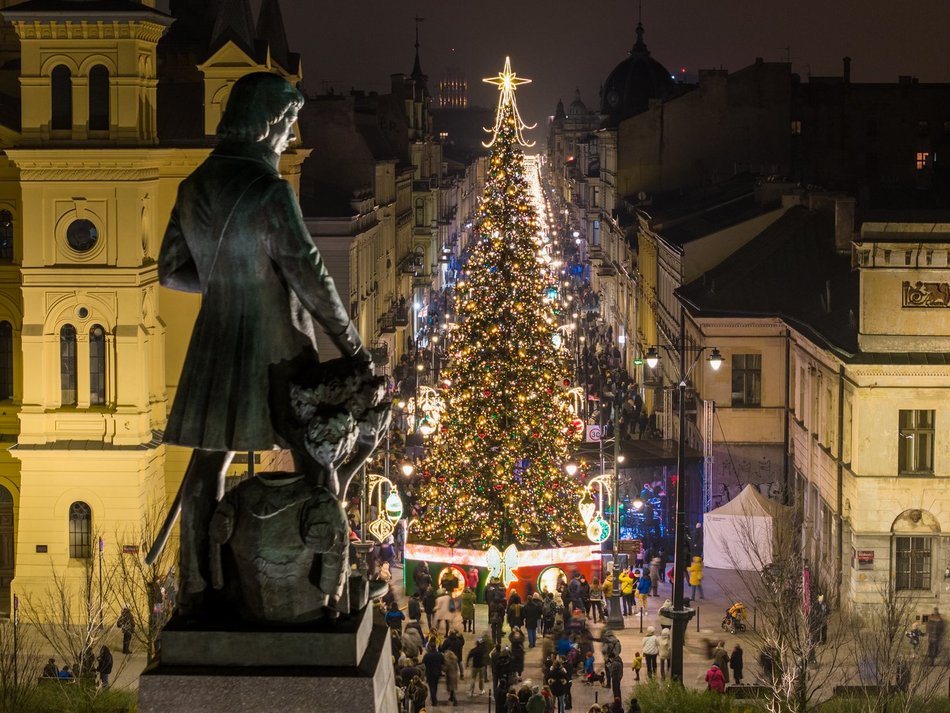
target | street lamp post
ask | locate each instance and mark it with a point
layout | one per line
(614, 616)
(681, 614)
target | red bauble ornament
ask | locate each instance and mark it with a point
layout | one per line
(482, 434)
(486, 393)
(441, 478)
(499, 486)
(536, 435)
(549, 509)
(427, 474)
(555, 485)
(451, 540)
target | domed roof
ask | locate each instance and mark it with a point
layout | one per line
(633, 83)
(577, 108)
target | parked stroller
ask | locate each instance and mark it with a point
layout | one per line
(734, 620)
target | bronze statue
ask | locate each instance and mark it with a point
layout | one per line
(236, 235)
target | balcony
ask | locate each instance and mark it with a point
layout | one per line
(401, 315)
(380, 353)
(606, 270)
(387, 323)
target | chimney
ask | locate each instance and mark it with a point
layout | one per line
(847, 70)
(844, 224)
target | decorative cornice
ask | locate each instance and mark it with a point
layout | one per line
(82, 173)
(43, 26)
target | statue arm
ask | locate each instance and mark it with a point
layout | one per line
(291, 248)
(176, 266)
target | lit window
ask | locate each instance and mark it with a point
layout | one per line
(746, 379)
(923, 160)
(80, 531)
(915, 442)
(911, 563)
(796, 128)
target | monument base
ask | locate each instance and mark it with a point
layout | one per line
(235, 688)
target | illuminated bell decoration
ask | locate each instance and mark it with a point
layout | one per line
(393, 506)
(380, 529)
(598, 530)
(587, 507)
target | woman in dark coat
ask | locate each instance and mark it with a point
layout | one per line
(237, 237)
(735, 663)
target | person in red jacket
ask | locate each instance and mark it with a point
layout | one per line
(715, 680)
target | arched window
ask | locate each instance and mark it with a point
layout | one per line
(6, 235)
(67, 365)
(99, 98)
(61, 86)
(6, 361)
(80, 530)
(97, 365)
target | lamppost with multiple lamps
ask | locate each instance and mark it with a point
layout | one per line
(681, 614)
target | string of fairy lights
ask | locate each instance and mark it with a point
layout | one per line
(494, 471)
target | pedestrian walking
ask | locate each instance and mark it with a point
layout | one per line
(104, 666)
(666, 650)
(615, 664)
(444, 610)
(476, 661)
(721, 659)
(935, 628)
(126, 623)
(637, 665)
(651, 649)
(468, 609)
(714, 679)
(452, 667)
(532, 615)
(644, 587)
(696, 577)
(596, 609)
(735, 663)
(434, 663)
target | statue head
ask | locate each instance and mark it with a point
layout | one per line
(261, 108)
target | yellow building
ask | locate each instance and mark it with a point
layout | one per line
(90, 346)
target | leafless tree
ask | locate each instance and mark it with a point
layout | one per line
(896, 676)
(147, 590)
(19, 667)
(73, 614)
(801, 649)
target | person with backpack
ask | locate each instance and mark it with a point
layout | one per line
(477, 660)
(558, 681)
(532, 615)
(514, 611)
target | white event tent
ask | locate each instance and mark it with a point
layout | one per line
(729, 530)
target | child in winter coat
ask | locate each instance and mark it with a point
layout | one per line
(637, 665)
(590, 676)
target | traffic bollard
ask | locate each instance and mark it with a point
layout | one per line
(697, 619)
(641, 620)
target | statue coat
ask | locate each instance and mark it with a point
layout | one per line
(236, 235)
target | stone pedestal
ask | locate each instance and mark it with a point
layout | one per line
(246, 669)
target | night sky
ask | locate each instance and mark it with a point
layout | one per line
(562, 45)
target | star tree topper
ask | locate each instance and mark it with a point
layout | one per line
(507, 81)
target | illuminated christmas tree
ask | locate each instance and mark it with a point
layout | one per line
(494, 474)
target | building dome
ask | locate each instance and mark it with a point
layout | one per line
(577, 107)
(633, 83)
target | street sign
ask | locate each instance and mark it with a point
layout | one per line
(593, 433)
